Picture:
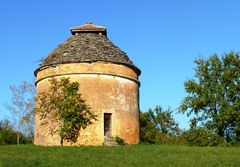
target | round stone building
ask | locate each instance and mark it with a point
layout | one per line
(108, 82)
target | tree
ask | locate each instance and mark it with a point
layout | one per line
(29, 125)
(62, 104)
(22, 107)
(213, 98)
(8, 135)
(158, 125)
(165, 122)
(148, 129)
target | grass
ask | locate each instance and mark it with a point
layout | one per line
(122, 156)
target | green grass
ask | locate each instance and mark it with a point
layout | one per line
(135, 155)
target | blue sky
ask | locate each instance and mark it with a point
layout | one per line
(162, 37)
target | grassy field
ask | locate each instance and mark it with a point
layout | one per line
(137, 155)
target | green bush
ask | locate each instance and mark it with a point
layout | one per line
(119, 141)
(202, 137)
(9, 136)
(158, 126)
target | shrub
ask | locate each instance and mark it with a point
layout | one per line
(202, 137)
(119, 141)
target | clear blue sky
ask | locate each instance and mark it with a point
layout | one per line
(162, 37)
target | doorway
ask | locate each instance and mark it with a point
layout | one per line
(107, 124)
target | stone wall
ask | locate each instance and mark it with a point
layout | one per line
(107, 88)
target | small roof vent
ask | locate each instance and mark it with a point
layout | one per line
(89, 28)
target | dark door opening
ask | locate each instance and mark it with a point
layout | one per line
(107, 124)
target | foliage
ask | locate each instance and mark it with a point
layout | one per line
(148, 130)
(164, 121)
(62, 104)
(157, 126)
(170, 140)
(214, 96)
(22, 107)
(201, 137)
(9, 136)
(129, 155)
(119, 141)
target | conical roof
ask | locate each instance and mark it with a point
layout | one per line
(88, 43)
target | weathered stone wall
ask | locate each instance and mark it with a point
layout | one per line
(107, 88)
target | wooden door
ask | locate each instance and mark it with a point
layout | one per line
(107, 124)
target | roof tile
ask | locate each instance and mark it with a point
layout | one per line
(87, 47)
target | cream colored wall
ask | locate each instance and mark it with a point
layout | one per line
(88, 68)
(106, 91)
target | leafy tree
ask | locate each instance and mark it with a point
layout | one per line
(158, 125)
(214, 95)
(165, 122)
(148, 129)
(8, 135)
(22, 107)
(62, 104)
